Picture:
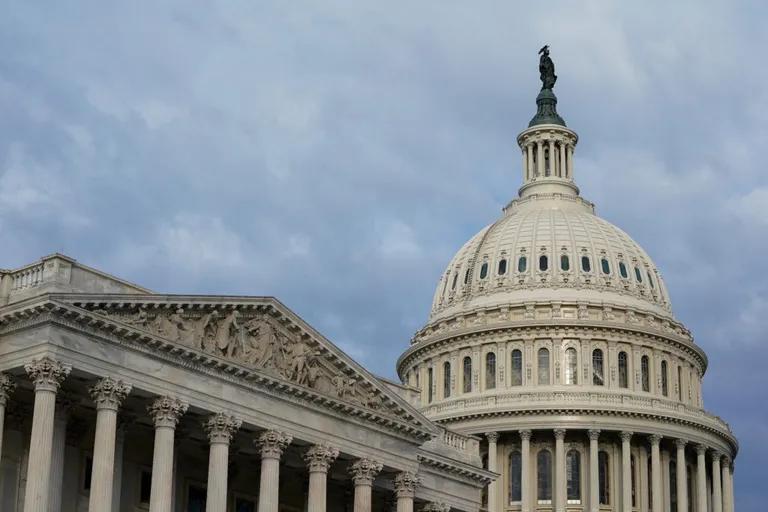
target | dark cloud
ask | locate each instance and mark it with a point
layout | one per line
(336, 154)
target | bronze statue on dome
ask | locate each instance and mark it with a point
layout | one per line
(546, 69)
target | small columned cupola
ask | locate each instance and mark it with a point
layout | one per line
(547, 144)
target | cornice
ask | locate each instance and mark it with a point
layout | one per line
(465, 471)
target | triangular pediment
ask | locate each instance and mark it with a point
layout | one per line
(258, 333)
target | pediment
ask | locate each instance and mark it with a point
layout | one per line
(258, 333)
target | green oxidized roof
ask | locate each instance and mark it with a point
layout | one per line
(546, 111)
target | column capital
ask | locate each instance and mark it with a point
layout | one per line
(364, 471)
(655, 439)
(680, 443)
(559, 434)
(626, 435)
(273, 443)
(109, 393)
(47, 374)
(493, 437)
(406, 484)
(166, 411)
(320, 457)
(726, 462)
(716, 455)
(436, 506)
(525, 435)
(7, 385)
(594, 434)
(701, 449)
(220, 427)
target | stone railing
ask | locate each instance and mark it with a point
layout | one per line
(453, 444)
(27, 277)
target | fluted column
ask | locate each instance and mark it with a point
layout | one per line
(570, 162)
(64, 405)
(405, 490)
(594, 475)
(552, 164)
(319, 459)
(363, 473)
(493, 487)
(166, 412)
(701, 478)
(559, 470)
(219, 428)
(272, 444)
(717, 490)
(727, 485)
(626, 471)
(47, 375)
(7, 385)
(540, 158)
(529, 171)
(561, 163)
(525, 470)
(658, 497)
(681, 477)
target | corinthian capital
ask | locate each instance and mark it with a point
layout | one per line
(364, 471)
(493, 437)
(109, 393)
(525, 435)
(166, 411)
(626, 436)
(47, 374)
(272, 443)
(406, 484)
(7, 385)
(320, 457)
(655, 439)
(221, 427)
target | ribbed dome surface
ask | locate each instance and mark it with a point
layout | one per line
(550, 249)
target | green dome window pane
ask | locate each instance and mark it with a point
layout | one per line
(605, 266)
(522, 264)
(623, 270)
(502, 267)
(586, 265)
(565, 263)
(484, 271)
(543, 263)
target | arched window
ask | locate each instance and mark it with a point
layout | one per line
(573, 476)
(638, 275)
(502, 267)
(598, 375)
(544, 477)
(455, 279)
(623, 370)
(543, 361)
(417, 372)
(673, 484)
(446, 379)
(605, 266)
(650, 279)
(586, 265)
(604, 480)
(623, 270)
(571, 370)
(517, 367)
(565, 263)
(543, 262)
(484, 270)
(490, 370)
(467, 374)
(430, 384)
(645, 373)
(515, 477)
(632, 466)
(664, 379)
(466, 276)
(522, 264)
(680, 383)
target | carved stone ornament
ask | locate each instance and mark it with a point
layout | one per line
(7, 385)
(655, 439)
(680, 443)
(320, 457)
(593, 434)
(525, 435)
(436, 506)
(221, 427)
(109, 393)
(166, 411)
(273, 443)
(364, 471)
(701, 449)
(47, 374)
(559, 434)
(493, 437)
(626, 436)
(406, 484)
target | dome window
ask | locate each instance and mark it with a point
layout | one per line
(623, 270)
(638, 275)
(623, 370)
(446, 379)
(484, 271)
(605, 266)
(455, 279)
(598, 378)
(522, 264)
(586, 265)
(571, 366)
(543, 263)
(645, 371)
(467, 377)
(466, 276)
(517, 367)
(650, 280)
(502, 267)
(565, 263)
(490, 370)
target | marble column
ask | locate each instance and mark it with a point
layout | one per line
(64, 406)
(727, 485)
(626, 471)
(540, 158)
(561, 164)
(7, 385)
(594, 475)
(319, 459)
(220, 428)
(681, 477)
(525, 165)
(658, 496)
(560, 484)
(552, 164)
(165, 412)
(529, 171)
(717, 490)
(570, 162)
(525, 470)
(117, 482)
(272, 444)
(47, 375)
(363, 473)
(493, 457)
(701, 478)
(405, 490)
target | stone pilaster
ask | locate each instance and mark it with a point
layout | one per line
(405, 490)
(319, 459)
(363, 473)
(560, 483)
(272, 444)
(681, 476)
(701, 478)
(47, 375)
(493, 457)
(166, 412)
(594, 475)
(525, 467)
(626, 471)
(717, 489)
(64, 406)
(658, 497)
(219, 428)
(7, 385)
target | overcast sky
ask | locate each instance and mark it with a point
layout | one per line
(336, 154)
